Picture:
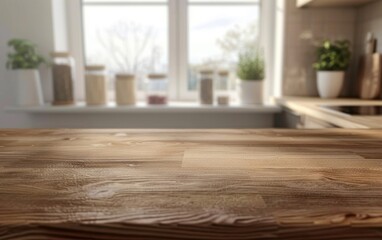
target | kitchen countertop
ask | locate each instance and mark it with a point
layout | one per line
(199, 184)
(311, 107)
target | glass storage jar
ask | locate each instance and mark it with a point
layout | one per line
(63, 78)
(95, 85)
(125, 89)
(222, 89)
(206, 87)
(157, 90)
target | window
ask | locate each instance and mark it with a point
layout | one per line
(177, 37)
(127, 36)
(217, 31)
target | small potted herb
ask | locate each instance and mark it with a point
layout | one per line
(251, 72)
(333, 59)
(24, 60)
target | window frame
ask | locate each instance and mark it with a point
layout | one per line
(178, 44)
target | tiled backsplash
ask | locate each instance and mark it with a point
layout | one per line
(369, 19)
(304, 28)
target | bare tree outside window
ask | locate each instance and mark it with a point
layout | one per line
(127, 40)
(237, 39)
(129, 48)
(229, 45)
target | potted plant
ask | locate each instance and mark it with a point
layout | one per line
(25, 61)
(251, 72)
(333, 61)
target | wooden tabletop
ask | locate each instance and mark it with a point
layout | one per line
(163, 184)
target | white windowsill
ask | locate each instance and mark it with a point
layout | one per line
(173, 107)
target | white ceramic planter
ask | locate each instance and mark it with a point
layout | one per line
(29, 91)
(251, 92)
(329, 83)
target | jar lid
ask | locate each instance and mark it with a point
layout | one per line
(60, 54)
(223, 73)
(206, 71)
(126, 76)
(95, 68)
(155, 76)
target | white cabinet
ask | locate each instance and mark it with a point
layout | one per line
(294, 120)
(313, 123)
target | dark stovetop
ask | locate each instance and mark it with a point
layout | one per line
(357, 110)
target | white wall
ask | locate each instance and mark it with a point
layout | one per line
(60, 29)
(31, 20)
(151, 120)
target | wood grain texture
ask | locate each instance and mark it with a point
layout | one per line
(154, 184)
(125, 90)
(95, 89)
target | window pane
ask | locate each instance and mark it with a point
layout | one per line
(216, 35)
(127, 38)
(223, 1)
(125, 1)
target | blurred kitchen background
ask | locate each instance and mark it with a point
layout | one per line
(182, 43)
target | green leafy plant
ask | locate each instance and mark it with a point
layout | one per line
(333, 56)
(24, 55)
(251, 66)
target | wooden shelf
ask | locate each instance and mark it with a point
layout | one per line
(332, 3)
